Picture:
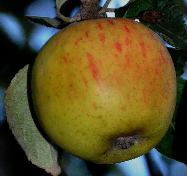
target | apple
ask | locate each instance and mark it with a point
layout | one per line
(104, 89)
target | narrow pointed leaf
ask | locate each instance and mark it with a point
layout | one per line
(49, 22)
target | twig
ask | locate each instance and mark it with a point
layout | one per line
(89, 9)
(59, 4)
(105, 8)
(106, 4)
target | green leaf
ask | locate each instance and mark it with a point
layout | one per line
(175, 39)
(133, 8)
(172, 24)
(49, 22)
(166, 145)
(138, 7)
(37, 149)
(120, 12)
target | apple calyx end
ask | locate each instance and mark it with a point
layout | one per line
(124, 142)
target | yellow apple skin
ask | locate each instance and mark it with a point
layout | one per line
(104, 89)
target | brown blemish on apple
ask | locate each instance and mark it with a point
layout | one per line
(71, 85)
(99, 26)
(102, 37)
(143, 49)
(118, 47)
(93, 66)
(72, 92)
(78, 41)
(125, 142)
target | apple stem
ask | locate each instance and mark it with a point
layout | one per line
(125, 142)
(89, 9)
